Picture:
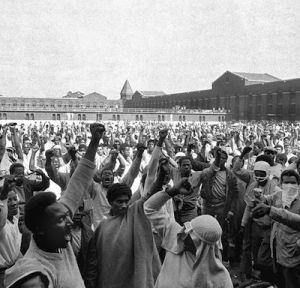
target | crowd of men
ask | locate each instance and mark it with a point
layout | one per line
(149, 204)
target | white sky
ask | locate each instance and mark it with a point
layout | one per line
(51, 47)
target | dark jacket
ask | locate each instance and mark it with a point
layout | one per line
(231, 192)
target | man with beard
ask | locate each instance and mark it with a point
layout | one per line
(50, 222)
(122, 253)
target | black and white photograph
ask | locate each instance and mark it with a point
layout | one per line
(149, 144)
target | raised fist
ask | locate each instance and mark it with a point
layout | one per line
(163, 133)
(246, 150)
(49, 154)
(183, 186)
(97, 131)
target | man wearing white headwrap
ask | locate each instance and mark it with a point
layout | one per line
(192, 254)
(257, 231)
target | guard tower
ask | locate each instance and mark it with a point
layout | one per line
(126, 92)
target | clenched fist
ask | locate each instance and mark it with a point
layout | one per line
(97, 131)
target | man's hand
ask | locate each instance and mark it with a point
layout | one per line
(183, 186)
(9, 182)
(245, 151)
(97, 131)
(140, 149)
(35, 149)
(163, 133)
(260, 210)
(49, 154)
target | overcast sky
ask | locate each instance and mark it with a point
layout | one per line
(51, 47)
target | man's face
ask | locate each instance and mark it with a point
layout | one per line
(117, 144)
(279, 150)
(100, 151)
(56, 140)
(81, 152)
(150, 147)
(270, 153)
(289, 180)
(57, 232)
(19, 175)
(287, 149)
(35, 282)
(12, 203)
(260, 176)
(26, 147)
(120, 205)
(107, 178)
(55, 162)
(185, 168)
(223, 159)
(126, 152)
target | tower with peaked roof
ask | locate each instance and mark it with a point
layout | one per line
(126, 92)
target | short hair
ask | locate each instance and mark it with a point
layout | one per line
(14, 166)
(264, 158)
(281, 157)
(35, 210)
(184, 158)
(290, 173)
(116, 190)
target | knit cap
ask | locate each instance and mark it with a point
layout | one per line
(23, 268)
(207, 228)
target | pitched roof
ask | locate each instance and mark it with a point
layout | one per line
(257, 77)
(151, 93)
(126, 88)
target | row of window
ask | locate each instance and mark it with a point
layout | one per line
(59, 105)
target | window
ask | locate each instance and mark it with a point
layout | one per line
(163, 117)
(83, 117)
(99, 117)
(58, 117)
(114, 117)
(137, 117)
(203, 118)
(219, 118)
(118, 117)
(183, 118)
(159, 117)
(180, 118)
(4, 116)
(31, 116)
(27, 116)
(79, 117)
(0, 116)
(59, 104)
(53, 116)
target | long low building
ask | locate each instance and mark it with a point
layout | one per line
(246, 96)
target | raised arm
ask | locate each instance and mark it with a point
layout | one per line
(3, 143)
(153, 164)
(241, 173)
(154, 211)
(135, 166)
(83, 174)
